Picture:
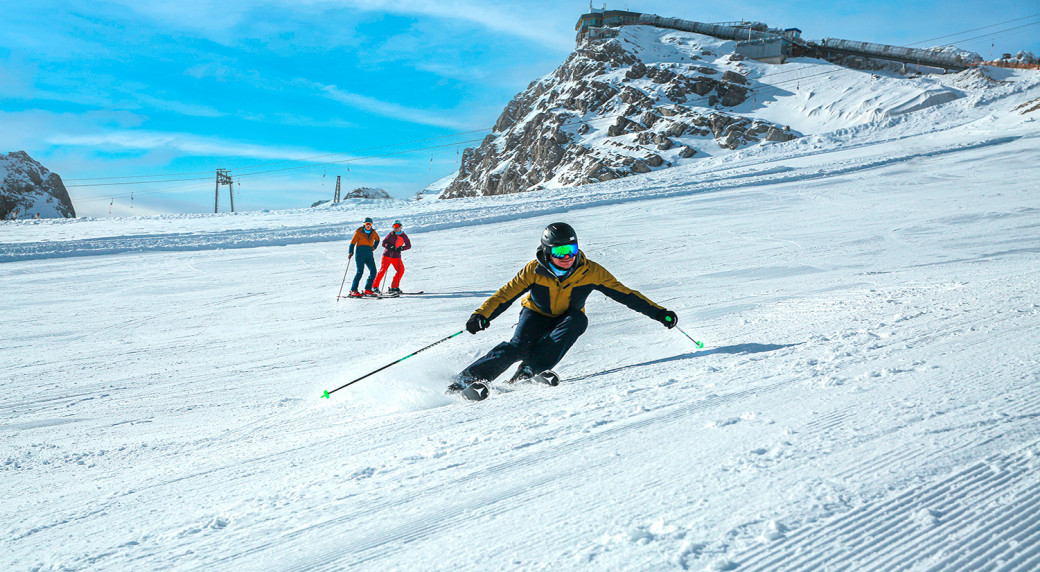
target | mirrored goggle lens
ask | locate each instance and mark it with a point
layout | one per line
(397, 227)
(565, 251)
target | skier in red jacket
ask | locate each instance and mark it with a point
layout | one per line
(395, 243)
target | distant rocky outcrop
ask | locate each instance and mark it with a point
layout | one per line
(30, 190)
(367, 193)
(616, 107)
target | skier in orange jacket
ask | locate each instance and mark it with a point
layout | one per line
(365, 239)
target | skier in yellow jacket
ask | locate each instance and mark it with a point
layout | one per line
(557, 282)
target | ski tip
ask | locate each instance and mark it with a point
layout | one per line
(476, 392)
(548, 377)
(326, 396)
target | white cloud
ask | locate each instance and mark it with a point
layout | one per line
(189, 144)
(386, 109)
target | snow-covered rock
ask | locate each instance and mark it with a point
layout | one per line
(367, 193)
(30, 190)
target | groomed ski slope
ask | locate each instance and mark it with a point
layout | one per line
(867, 398)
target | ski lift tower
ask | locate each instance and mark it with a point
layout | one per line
(223, 178)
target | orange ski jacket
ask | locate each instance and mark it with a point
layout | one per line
(362, 239)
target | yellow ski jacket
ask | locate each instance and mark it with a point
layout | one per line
(553, 296)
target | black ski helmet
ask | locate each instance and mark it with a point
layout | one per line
(558, 234)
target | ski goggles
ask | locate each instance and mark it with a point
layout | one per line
(564, 251)
(397, 227)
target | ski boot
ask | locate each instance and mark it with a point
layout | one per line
(523, 373)
(526, 373)
(354, 294)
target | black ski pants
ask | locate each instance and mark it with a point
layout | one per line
(364, 259)
(539, 341)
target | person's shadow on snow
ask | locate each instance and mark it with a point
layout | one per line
(455, 294)
(737, 349)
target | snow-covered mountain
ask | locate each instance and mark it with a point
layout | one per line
(655, 98)
(30, 190)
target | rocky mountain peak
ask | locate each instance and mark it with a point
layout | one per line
(645, 100)
(30, 190)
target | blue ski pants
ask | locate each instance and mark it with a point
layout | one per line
(539, 341)
(364, 258)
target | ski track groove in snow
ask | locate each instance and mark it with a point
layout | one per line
(391, 540)
(383, 542)
(1024, 408)
(883, 535)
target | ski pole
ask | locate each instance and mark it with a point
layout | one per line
(327, 392)
(345, 272)
(695, 342)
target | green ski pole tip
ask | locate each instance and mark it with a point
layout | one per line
(326, 396)
(699, 344)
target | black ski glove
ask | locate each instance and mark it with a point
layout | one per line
(476, 322)
(668, 318)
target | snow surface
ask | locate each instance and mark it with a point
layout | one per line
(867, 397)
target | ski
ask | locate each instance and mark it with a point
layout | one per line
(399, 294)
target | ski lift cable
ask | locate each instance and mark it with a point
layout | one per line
(310, 158)
(974, 30)
(989, 35)
(356, 159)
(239, 176)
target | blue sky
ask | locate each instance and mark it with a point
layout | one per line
(123, 88)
